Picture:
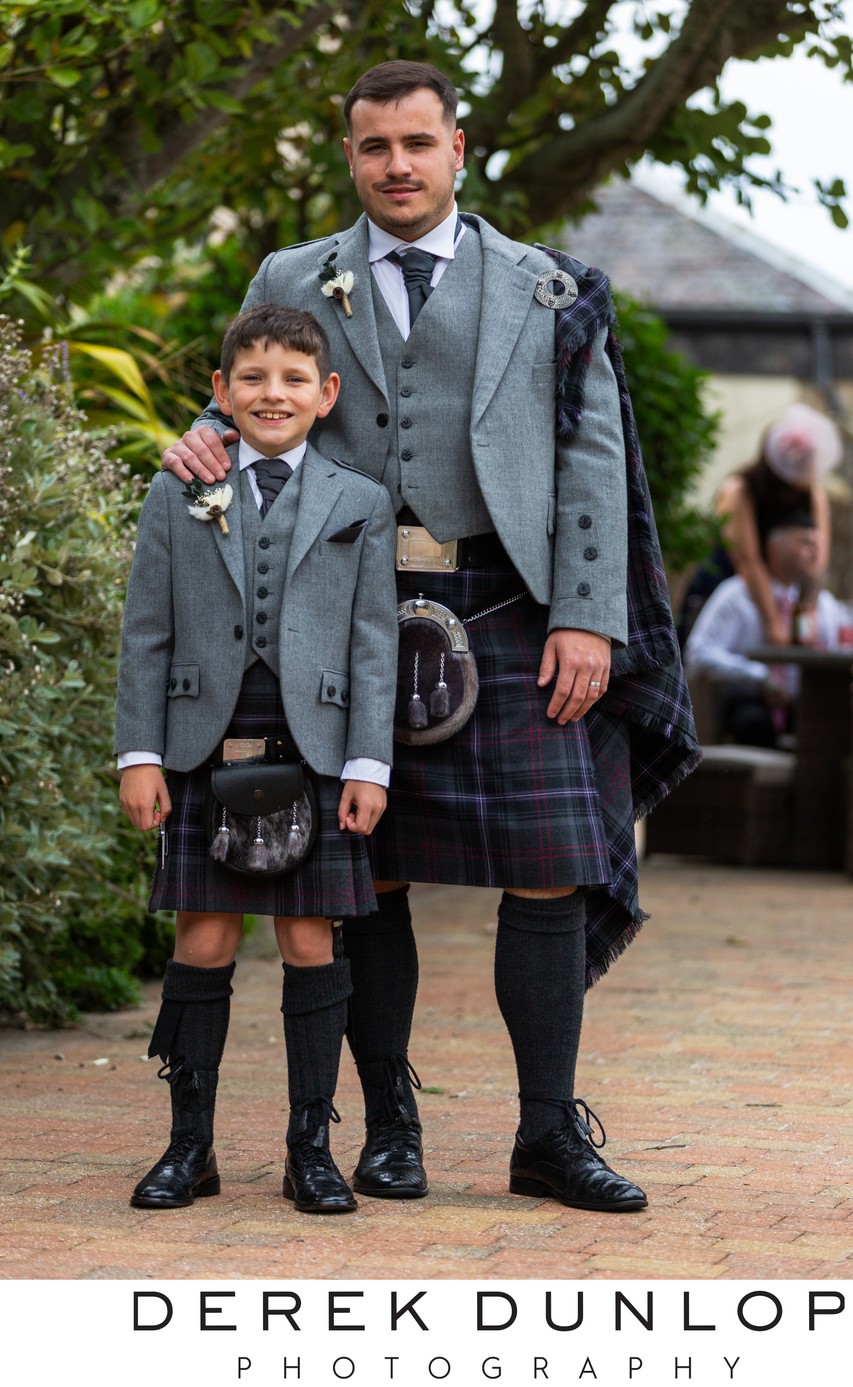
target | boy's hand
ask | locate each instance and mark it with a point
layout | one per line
(362, 806)
(143, 796)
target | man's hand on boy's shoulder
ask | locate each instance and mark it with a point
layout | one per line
(200, 453)
(362, 806)
(144, 797)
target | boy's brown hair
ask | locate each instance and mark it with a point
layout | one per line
(286, 327)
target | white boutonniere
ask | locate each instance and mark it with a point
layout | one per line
(337, 284)
(209, 505)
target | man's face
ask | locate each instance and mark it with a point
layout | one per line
(793, 555)
(404, 157)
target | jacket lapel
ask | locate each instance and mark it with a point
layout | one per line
(230, 546)
(359, 330)
(319, 489)
(507, 300)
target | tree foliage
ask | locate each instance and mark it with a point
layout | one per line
(125, 124)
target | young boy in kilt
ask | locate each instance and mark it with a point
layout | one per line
(279, 618)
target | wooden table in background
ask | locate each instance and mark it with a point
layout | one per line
(823, 777)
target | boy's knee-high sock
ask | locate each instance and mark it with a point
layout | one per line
(540, 968)
(314, 1005)
(189, 1037)
(383, 957)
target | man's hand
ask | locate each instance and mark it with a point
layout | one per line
(200, 453)
(581, 661)
(143, 796)
(362, 806)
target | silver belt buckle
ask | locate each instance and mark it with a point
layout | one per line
(418, 552)
(243, 748)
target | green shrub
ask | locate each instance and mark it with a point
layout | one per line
(73, 926)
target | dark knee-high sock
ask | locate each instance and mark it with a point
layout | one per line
(314, 1005)
(189, 1037)
(540, 966)
(383, 956)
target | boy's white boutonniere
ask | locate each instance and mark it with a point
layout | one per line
(337, 284)
(209, 505)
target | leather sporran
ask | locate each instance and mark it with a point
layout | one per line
(261, 817)
(437, 683)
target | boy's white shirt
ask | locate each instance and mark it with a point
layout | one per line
(360, 767)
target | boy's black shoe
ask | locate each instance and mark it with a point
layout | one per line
(311, 1178)
(185, 1172)
(563, 1164)
(391, 1164)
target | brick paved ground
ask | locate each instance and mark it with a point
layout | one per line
(717, 1053)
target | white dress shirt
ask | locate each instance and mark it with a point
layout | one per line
(729, 624)
(441, 242)
(360, 767)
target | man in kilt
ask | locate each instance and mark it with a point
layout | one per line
(482, 384)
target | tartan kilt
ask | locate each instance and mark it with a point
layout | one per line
(512, 799)
(333, 880)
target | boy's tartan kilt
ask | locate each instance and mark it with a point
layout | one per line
(335, 878)
(512, 799)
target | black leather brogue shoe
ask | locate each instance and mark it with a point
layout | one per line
(391, 1164)
(311, 1178)
(564, 1164)
(185, 1172)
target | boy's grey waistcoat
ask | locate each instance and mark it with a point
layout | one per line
(559, 510)
(193, 619)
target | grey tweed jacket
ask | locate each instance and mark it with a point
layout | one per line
(560, 509)
(185, 632)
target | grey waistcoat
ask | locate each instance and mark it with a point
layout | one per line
(429, 465)
(266, 544)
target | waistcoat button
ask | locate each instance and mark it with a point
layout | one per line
(590, 552)
(407, 362)
(584, 521)
(261, 642)
(263, 568)
(406, 391)
(264, 542)
(584, 589)
(264, 592)
(406, 455)
(261, 618)
(405, 423)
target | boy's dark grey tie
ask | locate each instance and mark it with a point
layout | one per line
(417, 266)
(271, 475)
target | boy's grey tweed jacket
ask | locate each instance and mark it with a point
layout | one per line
(185, 635)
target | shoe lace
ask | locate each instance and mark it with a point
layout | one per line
(180, 1147)
(577, 1121)
(398, 1072)
(585, 1123)
(310, 1120)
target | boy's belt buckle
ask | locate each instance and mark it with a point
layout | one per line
(243, 748)
(418, 552)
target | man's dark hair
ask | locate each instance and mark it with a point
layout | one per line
(392, 81)
(287, 327)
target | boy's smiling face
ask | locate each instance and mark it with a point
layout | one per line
(274, 394)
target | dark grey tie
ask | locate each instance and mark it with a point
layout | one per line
(271, 475)
(417, 266)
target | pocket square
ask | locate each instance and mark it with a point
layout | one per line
(348, 535)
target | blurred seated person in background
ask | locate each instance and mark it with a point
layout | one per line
(785, 481)
(757, 698)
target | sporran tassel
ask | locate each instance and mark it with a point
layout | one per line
(417, 713)
(222, 842)
(295, 837)
(439, 702)
(256, 860)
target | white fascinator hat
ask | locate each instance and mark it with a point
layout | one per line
(803, 446)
